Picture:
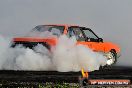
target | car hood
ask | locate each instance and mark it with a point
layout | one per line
(109, 45)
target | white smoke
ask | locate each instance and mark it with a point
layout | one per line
(66, 56)
(71, 57)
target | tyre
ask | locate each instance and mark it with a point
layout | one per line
(111, 58)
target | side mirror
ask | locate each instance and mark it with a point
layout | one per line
(100, 40)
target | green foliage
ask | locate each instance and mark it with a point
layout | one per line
(59, 85)
(39, 85)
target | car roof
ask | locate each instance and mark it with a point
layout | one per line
(67, 25)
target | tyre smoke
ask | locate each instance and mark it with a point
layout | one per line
(66, 56)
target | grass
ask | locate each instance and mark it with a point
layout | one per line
(59, 85)
(40, 85)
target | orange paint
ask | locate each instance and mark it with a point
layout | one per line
(95, 46)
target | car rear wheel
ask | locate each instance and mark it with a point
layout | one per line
(111, 57)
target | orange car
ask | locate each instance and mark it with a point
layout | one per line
(84, 36)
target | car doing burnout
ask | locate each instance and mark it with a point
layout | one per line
(83, 35)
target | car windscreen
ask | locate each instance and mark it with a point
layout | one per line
(46, 30)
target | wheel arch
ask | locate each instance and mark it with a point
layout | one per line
(113, 50)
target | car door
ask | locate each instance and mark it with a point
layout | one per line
(93, 41)
(85, 37)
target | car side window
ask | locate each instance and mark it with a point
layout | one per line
(89, 34)
(76, 31)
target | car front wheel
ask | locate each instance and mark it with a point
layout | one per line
(111, 57)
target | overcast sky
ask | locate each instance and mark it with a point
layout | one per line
(110, 19)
